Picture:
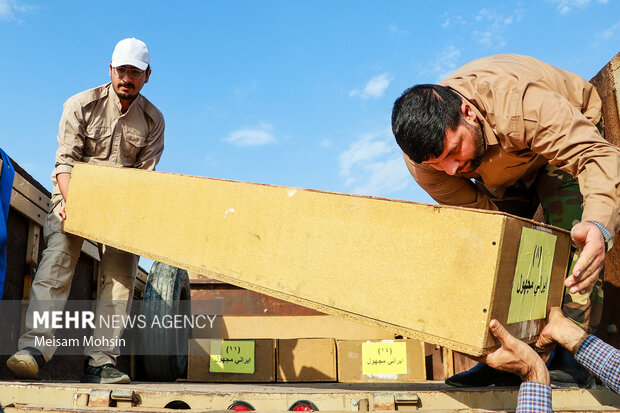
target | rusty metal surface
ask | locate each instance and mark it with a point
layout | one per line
(99, 398)
(607, 83)
(429, 396)
(462, 363)
(239, 301)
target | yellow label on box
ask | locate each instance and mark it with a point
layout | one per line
(231, 357)
(384, 358)
(530, 287)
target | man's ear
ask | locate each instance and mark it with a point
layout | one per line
(148, 74)
(468, 112)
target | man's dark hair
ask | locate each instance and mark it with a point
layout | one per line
(420, 118)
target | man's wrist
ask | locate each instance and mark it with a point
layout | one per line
(576, 341)
(607, 236)
(538, 373)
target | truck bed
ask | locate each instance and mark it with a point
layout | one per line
(17, 396)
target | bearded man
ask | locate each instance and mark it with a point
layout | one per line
(508, 133)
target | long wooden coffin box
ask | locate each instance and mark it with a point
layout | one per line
(438, 274)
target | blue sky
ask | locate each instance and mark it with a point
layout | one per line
(294, 93)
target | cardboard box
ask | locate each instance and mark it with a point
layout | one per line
(366, 361)
(434, 273)
(306, 360)
(200, 369)
(289, 327)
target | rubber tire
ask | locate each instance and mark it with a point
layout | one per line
(167, 292)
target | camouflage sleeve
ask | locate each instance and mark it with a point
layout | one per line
(561, 133)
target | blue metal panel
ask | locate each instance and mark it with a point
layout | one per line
(6, 187)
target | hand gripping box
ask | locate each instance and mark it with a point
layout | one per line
(434, 273)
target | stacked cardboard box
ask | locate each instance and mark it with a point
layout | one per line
(306, 360)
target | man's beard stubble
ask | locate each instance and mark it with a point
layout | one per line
(125, 95)
(480, 145)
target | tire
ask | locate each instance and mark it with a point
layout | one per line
(167, 293)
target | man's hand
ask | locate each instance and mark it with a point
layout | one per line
(561, 330)
(591, 244)
(514, 356)
(63, 184)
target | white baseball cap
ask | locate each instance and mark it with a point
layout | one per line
(133, 52)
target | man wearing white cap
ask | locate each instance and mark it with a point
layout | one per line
(112, 124)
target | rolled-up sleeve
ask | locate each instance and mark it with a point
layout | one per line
(447, 189)
(569, 140)
(70, 138)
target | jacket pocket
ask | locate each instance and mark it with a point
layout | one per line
(131, 145)
(97, 142)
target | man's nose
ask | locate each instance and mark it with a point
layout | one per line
(126, 78)
(450, 166)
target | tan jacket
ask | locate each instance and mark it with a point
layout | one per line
(92, 129)
(531, 113)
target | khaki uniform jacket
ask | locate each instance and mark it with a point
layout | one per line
(531, 114)
(92, 129)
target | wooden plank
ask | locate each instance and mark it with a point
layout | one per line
(607, 83)
(91, 249)
(448, 362)
(27, 208)
(421, 271)
(32, 193)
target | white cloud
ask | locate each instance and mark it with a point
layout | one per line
(495, 24)
(6, 10)
(10, 8)
(444, 63)
(374, 88)
(487, 27)
(374, 165)
(566, 6)
(611, 31)
(452, 21)
(252, 137)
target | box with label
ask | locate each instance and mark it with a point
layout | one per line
(438, 274)
(231, 360)
(307, 360)
(366, 361)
